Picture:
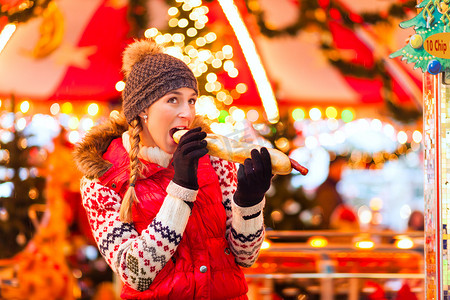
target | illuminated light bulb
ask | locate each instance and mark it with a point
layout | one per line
(364, 215)
(202, 19)
(315, 114)
(173, 11)
(54, 109)
(376, 204)
(205, 9)
(195, 3)
(317, 241)
(404, 242)
(186, 6)
(151, 32)
(216, 63)
(167, 37)
(174, 51)
(228, 65)
(66, 108)
(233, 73)
(120, 86)
(211, 77)
(0, 102)
(202, 67)
(182, 23)
(265, 245)
(114, 114)
(228, 100)
(417, 136)
(217, 86)
(222, 116)
(199, 25)
(227, 49)
(194, 15)
(229, 119)
(405, 211)
(282, 144)
(238, 115)
(201, 41)
(241, 88)
(331, 112)
(221, 96)
(298, 114)
(6, 34)
(86, 124)
(213, 114)
(93, 109)
(219, 55)
(228, 56)
(191, 32)
(73, 123)
(24, 106)
(252, 115)
(347, 115)
(74, 137)
(197, 73)
(209, 87)
(377, 218)
(376, 125)
(177, 38)
(211, 37)
(210, 59)
(21, 124)
(186, 59)
(193, 53)
(402, 137)
(173, 22)
(159, 39)
(203, 55)
(276, 216)
(389, 131)
(365, 244)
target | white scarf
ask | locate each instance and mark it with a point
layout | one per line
(150, 154)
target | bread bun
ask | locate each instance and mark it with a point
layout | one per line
(232, 150)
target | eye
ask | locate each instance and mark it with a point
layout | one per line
(192, 101)
(172, 100)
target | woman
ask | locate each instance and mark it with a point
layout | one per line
(171, 221)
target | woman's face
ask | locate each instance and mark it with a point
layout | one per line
(176, 109)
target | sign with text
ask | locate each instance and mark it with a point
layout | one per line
(438, 45)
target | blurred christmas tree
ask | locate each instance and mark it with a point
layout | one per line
(20, 186)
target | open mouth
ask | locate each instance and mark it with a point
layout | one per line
(175, 129)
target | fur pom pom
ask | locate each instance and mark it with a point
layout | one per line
(137, 51)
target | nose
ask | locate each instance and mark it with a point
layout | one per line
(187, 112)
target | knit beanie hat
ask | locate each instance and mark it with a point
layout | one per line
(149, 75)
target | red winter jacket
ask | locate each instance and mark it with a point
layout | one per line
(202, 266)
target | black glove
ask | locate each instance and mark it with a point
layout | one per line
(191, 147)
(254, 178)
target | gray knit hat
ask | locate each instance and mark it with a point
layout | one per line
(149, 75)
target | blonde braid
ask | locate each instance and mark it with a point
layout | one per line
(135, 169)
